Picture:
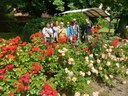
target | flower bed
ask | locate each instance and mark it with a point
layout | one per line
(39, 68)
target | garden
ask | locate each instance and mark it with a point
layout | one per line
(30, 66)
(38, 68)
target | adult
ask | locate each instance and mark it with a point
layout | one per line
(75, 29)
(61, 31)
(68, 30)
(52, 27)
(87, 29)
(56, 28)
(47, 31)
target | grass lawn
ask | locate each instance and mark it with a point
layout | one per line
(106, 30)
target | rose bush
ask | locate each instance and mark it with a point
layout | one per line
(32, 68)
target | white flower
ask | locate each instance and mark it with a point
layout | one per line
(103, 56)
(74, 79)
(111, 76)
(117, 64)
(110, 50)
(98, 60)
(65, 50)
(89, 73)
(108, 63)
(63, 54)
(82, 73)
(68, 78)
(85, 95)
(95, 93)
(60, 51)
(66, 70)
(90, 65)
(86, 58)
(109, 54)
(71, 61)
(88, 82)
(91, 62)
(106, 77)
(100, 68)
(94, 70)
(70, 73)
(124, 82)
(91, 55)
(127, 71)
(107, 50)
(77, 94)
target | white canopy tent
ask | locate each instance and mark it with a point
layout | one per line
(93, 13)
(90, 12)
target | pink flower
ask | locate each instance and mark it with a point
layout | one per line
(25, 88)
(11, 94)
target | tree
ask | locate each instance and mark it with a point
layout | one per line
(118, 8)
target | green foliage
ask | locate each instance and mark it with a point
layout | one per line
(33, 26)
(67, 67)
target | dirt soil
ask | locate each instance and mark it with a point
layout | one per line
(119, 88)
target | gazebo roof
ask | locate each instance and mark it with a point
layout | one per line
(90, 12)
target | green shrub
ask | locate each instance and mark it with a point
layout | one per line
(104, 23)
(35, 25)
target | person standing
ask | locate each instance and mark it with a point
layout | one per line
(68, 30)
(56, 28)
(47, 31)
(75, 29)
(61, 31)
(87, 29)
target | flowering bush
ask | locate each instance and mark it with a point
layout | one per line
(25, 67)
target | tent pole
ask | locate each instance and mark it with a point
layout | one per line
(109, 25)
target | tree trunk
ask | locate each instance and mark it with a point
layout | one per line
(122, 26)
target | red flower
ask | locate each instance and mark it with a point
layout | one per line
(24, 78)
(1, 77)
(4, 49)
(12, 48)
(47, 87)
(30, 52)
(63, 39)
(11, 94)
(1, 39)
(93, 45)
(87, 50)
(10, 56)
(40, 57)
(115, 42)
(49, 51)
(73, 44)
(13, 41)
(48, 91)
(54, 44)
(20, 87)
(35, 49)
(1, 55)
(35, 68)
(25, 88)
(23, 44)
(9, 67)
(2, 71)
(37, 34)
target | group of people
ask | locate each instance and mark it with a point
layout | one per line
(54, 30)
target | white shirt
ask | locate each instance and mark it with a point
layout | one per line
(46, 30)
(56, 30)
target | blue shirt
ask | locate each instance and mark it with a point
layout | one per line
(68, 29)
